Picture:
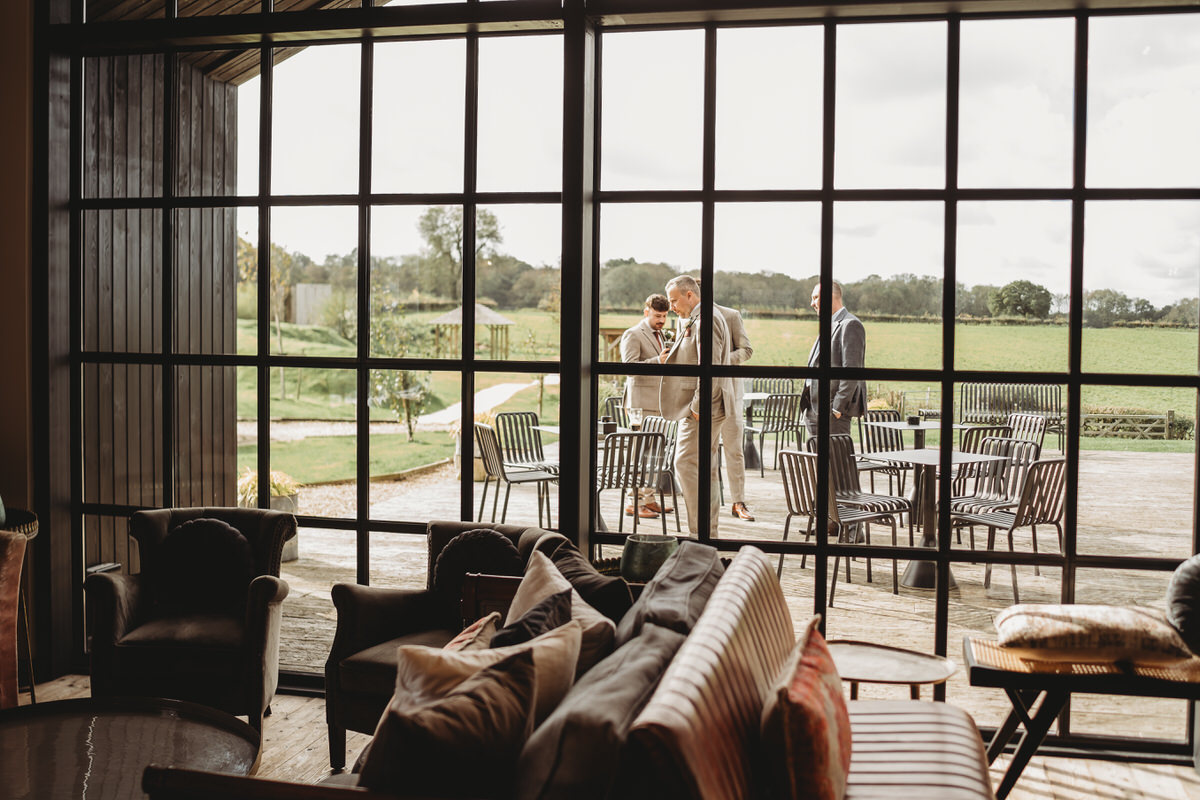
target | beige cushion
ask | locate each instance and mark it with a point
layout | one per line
(543, 579)
(698, 737)
(478, 635)
(426, 673)
(1094, 634)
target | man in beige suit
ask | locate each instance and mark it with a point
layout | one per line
(679, 396)
(643, 344)
(734, 429)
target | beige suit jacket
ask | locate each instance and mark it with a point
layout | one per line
(739, 348)
(679, 396)
(639, 346)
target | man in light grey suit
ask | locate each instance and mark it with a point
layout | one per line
(679, 396)
(847, 348)
(644, 344)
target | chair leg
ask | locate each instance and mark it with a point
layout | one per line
(786, 524)
(496, 499)
(504, 512)
(337, 747)
(833, 585)
(987, 570)
(762, 458)
(1013, 569)
(1033, 535)
(867, 535)
(895, 575)
(483, 497)
(662, 515)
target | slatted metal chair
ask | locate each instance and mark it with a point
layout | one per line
(846, 486)
(799, 472)
(615, 407)
(768, 386)
(670, 429)
(521, 444)
(878, 440)
(633, 461)
(1041, 503)
(779, 415)
(495, 469)
(993, 485)
(1028, 428)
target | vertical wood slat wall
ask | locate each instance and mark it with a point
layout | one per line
(122, 281)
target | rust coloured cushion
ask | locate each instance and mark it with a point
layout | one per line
(805, 725)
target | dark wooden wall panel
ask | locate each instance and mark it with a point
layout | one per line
(122, 285)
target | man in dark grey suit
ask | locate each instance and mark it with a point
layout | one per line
(848, 348)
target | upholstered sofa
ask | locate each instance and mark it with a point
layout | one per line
(707, 693)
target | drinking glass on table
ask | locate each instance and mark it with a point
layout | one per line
(635, 418)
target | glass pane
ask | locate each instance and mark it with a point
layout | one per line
(764, 255)
(122, 280)
(207, 101)
(400, 560)
(653, 96)
(122, 434)
(322, 558)
(891, 106)
(415, 418)
(1108, 715)
(207, 280)
(246, 257)
(1016, 102)
(1012, 299)
(313, 441)
(888, 257)
(247, 437)
(518, 282)
(206, 436)
(1143, 92)
(422, 81)
(642, 246)
(523, 151)
(1141, 273)
(314, 133)
(122, 126)
(1137, 451)
(769, 111)
(532, 452)
(314, 280)
(249, 111)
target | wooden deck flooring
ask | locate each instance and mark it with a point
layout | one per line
(295, 748)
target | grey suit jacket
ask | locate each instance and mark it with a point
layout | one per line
(739, 348)
(639, 346)
(847, 348)
(679, 396)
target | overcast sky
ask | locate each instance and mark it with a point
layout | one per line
(1015, 131)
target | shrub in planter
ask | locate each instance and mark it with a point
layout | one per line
(285, 496)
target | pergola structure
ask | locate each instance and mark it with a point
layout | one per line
(448, 329)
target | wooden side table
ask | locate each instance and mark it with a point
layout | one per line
(867, 662)
(25, 522)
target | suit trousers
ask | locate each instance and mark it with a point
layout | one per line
(732, 433)
(836, 425)
(687, 469)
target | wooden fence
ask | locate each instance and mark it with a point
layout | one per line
(1127, 426)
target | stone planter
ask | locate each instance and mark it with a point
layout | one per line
(289, 503)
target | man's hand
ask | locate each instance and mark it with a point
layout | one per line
(837, 414)
(695, 416)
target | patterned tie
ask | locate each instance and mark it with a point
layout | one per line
(658, 337)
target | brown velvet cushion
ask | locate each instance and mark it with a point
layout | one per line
(464, 744)
(539, 539)
(204, 565)
(374, 670)
(543, 579)
(571, 755)
(1183, 602)
(195, 630)
(482, 551)
(547, 615)
(675, 597)
(608, 594)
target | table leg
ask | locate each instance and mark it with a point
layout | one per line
(923, 574)
(1035, 734)
(749, 450)
(1021, 701)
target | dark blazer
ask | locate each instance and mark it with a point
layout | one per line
(848, 348)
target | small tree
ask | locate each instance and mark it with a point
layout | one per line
(403, 392)
(1020, 299)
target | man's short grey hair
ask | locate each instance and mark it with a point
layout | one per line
(684, 283)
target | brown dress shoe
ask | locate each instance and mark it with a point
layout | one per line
(655, 507)
(643, 512)
(741, 512)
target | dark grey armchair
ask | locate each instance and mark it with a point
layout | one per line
(200, 621)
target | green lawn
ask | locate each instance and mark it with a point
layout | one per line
(319, 459)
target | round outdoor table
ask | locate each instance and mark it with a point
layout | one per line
(867, 662)
(98, 748)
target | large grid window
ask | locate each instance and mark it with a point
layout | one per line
(305, 275)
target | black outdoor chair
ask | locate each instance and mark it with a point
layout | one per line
(669, 428)
(633, 461)
(779, 415)
(521, 444)
(879, 440)
(496, 470)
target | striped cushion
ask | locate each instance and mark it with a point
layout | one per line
(698, 737)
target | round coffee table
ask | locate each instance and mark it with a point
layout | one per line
(867, 662)
(97, 748)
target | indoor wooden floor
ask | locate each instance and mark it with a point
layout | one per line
(295, 748)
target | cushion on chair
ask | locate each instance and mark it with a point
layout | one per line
(805, 725)
(373, 671)
(425, 673)
(1089, 634)
(571, 755)
(675, 597)
(543, 579)
(1183, 602)
(195, 630)
(478, 635)
(463, 744)
(204, 565)
(547, 615)
(608, 594)
(539, 539)
(482, 551)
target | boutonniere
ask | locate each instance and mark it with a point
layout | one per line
(687, 326)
